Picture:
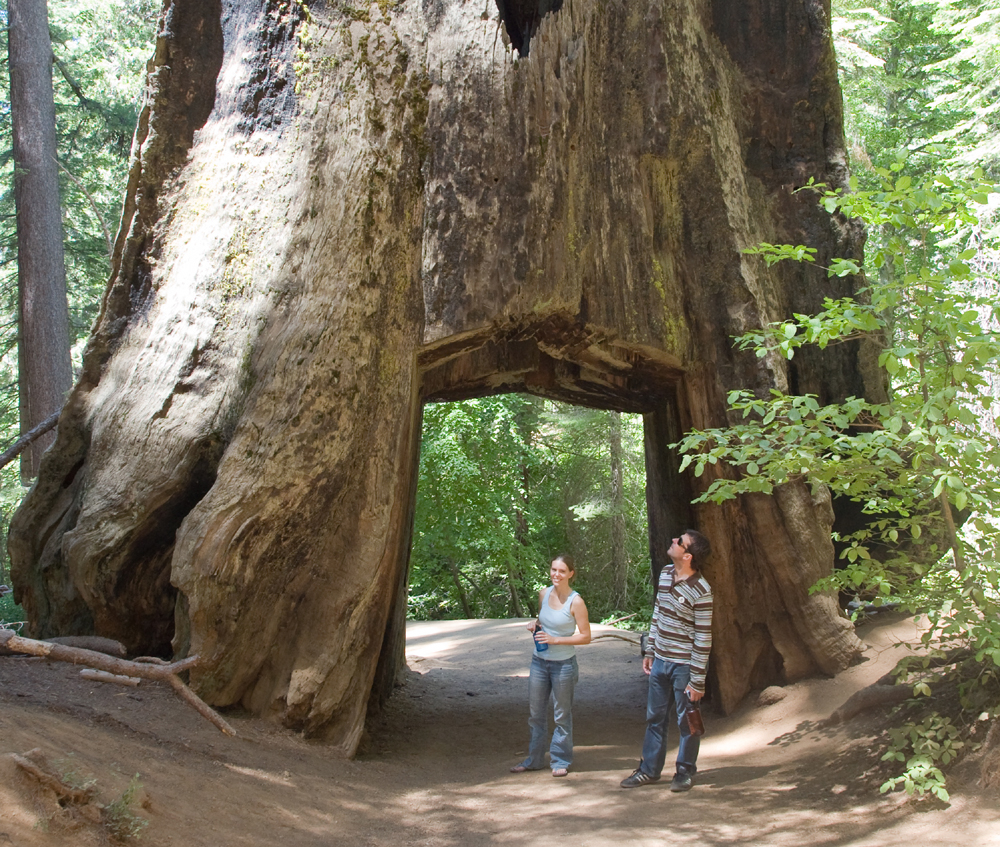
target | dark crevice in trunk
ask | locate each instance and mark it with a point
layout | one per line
(522, 17)
(145, 587)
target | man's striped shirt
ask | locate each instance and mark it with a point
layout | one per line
(681, 630)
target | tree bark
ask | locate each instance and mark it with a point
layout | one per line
(334, 217)
(44, 369)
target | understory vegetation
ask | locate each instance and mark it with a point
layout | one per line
(924, 466)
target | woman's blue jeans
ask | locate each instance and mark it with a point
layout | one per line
(667, 681)
(555, 680)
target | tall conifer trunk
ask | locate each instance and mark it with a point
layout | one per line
(619, 557)
(44, 370)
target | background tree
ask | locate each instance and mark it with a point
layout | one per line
(921, 78)
(100, 50)
(602, 468)
(972, 78)
(485, 520)
(44, 372)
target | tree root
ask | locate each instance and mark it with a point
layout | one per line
(36, 766)
(952, 657)
(990, 773)
(143, 668)
(873, 696)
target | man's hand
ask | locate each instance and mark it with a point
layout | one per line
(692, 695)
(647, 664)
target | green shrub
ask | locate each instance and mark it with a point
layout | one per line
(120, 821)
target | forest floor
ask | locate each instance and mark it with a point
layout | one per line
(434, 769)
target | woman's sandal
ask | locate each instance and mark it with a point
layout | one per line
(518, 769)
(560, 772)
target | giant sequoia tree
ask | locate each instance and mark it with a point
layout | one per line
(337, 213)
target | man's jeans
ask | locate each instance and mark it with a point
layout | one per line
(667, 681)
(556, 680)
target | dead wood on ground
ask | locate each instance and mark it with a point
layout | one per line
(145, 668)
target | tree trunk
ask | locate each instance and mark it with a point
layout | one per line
(619, 559)
(516, 609)
(44, 369)
(337, 213)
(456, 576)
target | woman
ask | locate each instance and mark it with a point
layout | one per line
(562, 624)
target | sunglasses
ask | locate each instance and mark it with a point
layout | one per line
(680, 544)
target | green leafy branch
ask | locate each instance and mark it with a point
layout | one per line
(925, 464)
(923, 746)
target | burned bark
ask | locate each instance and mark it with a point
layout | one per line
(337, 214)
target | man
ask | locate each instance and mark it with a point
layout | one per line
(676, 660)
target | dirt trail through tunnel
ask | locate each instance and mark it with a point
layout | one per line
(434, 769)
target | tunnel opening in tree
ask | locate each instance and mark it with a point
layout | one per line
(505, 483)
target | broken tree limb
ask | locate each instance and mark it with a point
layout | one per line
(25, 440)
(92, 642)
(145, 670)
(104, 676)
(621, 637)
(619, 620)
(199, 705)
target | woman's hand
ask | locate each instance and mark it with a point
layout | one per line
(542, 637)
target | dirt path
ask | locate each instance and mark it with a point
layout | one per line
(434, 771)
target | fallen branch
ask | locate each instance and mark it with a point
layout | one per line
(623, 618)
(22, 443)
(104, 676)
(145, 670)
(619, 636)
(91, 642)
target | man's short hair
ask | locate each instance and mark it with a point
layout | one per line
(699, 548)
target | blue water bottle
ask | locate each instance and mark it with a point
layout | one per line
(540, 646)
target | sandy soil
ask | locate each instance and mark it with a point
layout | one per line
(434, 769)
